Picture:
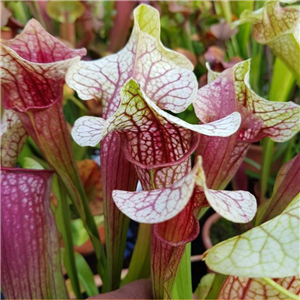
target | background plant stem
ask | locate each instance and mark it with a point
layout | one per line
(65, 228)
(139, 267)
(182, 288)
(282, 85)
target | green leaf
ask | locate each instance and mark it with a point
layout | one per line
(85, 275)
(79, 233)
(205, 285)
(269, 250)
(244, 32)
(63, 221)
(283, 82)
(139, 267)
(20, 10)
(182, 288)
(216, 286)
(282, 85)
(30, 163)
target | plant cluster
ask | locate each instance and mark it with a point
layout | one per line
(141, 110)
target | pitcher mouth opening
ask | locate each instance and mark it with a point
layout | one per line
(27, 108)
(194, 143)
(21, 170)
(194, 232)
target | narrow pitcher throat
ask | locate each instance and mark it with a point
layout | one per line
(193, 145)
(38, 120)
(22, 107)
(164, 174)
(179, 236)
(48, 128)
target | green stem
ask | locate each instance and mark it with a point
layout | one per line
(79, 104)
(182, 287)
(139, 267)
(268, 147)
(225, 10)
(283, 82)
(280, 288)
(92, 230)
(256, 69)
(19, 11)
(243, 35)
(224, 7)
(65, 227)
(186, 39)
(282, 85)
(289, 151)
(219, 279)
(202, 212)
(252, 163)
(235, 46)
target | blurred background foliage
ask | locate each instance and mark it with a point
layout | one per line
(200, 30)
(203, 31)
